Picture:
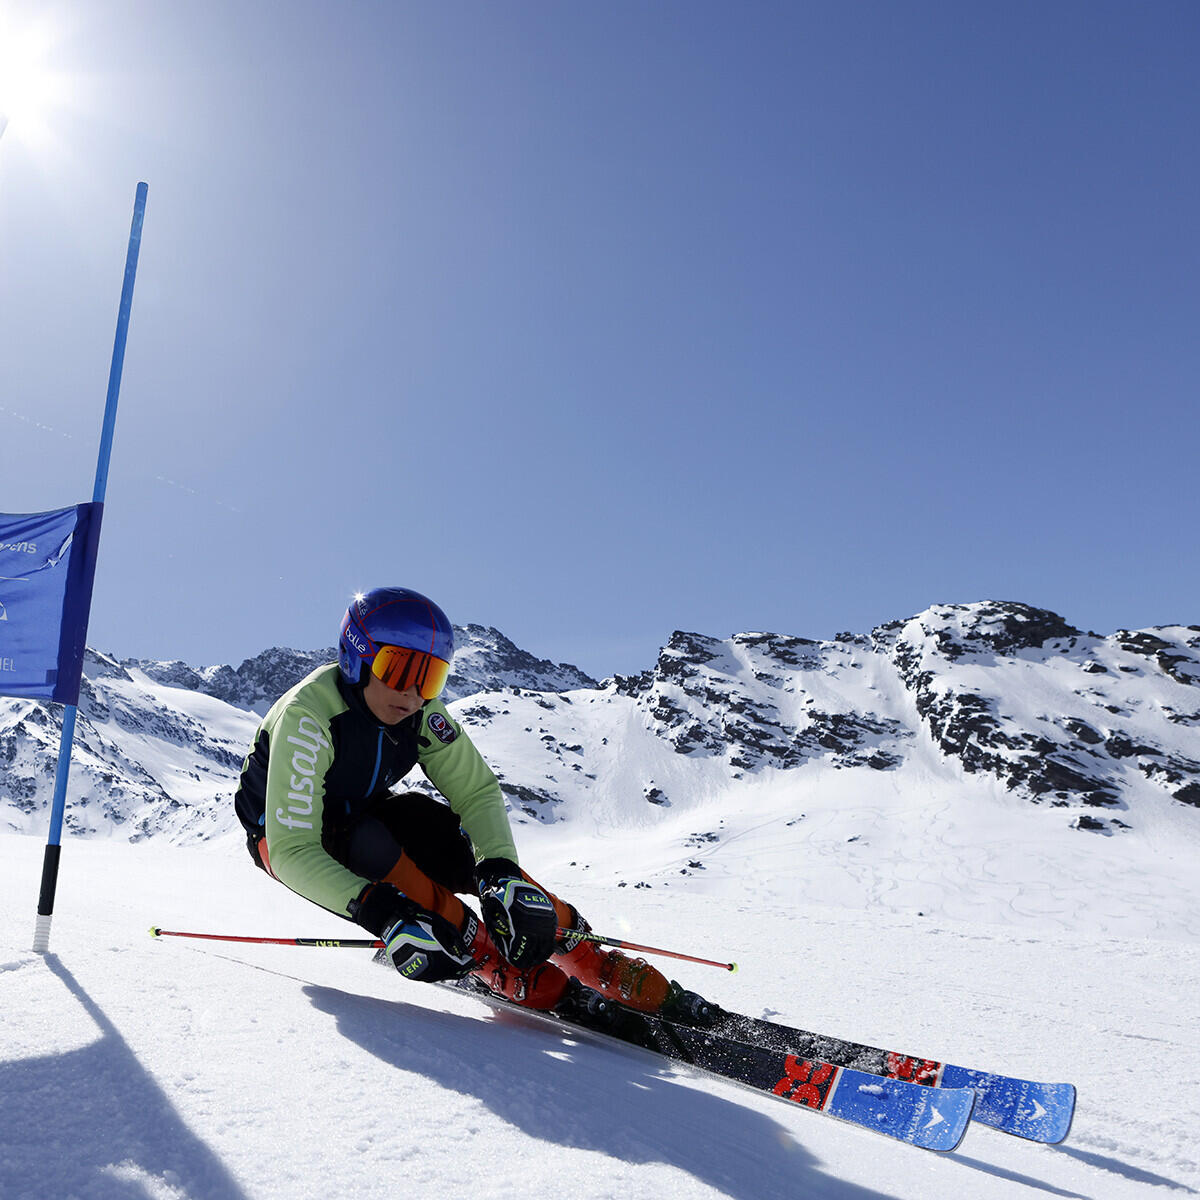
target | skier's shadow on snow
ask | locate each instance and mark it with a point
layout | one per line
(92, 1123)
(588, 1095)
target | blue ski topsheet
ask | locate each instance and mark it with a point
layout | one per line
(933, 1118)
(1041, 1112)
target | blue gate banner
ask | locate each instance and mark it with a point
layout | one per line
(47, 564)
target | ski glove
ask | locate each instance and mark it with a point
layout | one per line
(427, 947)
(418, 943)
(518, 914)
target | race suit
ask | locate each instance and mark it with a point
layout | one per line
(322, 770)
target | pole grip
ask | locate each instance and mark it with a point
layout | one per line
(49, 879)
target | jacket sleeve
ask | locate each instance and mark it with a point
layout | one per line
(455, 767)
(301, 754)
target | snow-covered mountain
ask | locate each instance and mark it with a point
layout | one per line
(158, 745)
(1102, 728)
(1093, 725)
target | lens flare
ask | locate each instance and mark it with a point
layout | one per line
(32, 89)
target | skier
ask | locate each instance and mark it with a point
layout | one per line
(320, 815)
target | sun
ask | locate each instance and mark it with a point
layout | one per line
(31, 89)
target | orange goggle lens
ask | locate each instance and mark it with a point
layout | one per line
(402, 668)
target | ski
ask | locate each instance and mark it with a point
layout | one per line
(1040, 1112)
(932, 1119)
(701, 1033)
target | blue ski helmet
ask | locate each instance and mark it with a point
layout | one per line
(391, 617)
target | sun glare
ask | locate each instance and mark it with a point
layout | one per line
(31, 90)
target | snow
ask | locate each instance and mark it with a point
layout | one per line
(136, 1067)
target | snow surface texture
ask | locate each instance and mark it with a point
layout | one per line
(969, 835)
(132, 1068)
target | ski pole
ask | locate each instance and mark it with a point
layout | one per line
(607, 941)
(335, 943)
(375, 944)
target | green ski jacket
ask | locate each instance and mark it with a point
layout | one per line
(321, 759)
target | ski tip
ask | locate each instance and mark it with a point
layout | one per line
(155, 930)
(1038, 1112)
(731, 967)
(956, 1118)
(1055, 1126)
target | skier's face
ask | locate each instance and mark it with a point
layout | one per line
(388, 705)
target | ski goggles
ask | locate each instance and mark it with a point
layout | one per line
(402, 668)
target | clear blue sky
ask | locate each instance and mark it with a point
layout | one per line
(594, 321)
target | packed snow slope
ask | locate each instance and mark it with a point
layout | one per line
(971, 835)
(136, 1069)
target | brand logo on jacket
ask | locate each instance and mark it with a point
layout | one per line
(302, 787)
(442, 729)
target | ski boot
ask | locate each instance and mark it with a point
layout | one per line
(541, 987)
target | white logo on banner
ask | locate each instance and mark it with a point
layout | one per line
(6, 664)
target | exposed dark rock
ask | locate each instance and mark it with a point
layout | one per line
(1086, 733)
(534, 802)
(1188, 794)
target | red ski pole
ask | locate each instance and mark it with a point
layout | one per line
(334, 943)
(607, 941)
(375, 944)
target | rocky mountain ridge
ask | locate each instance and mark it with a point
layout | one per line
(1099, 726)
(1058, 716)
(485, 661)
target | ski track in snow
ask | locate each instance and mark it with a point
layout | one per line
(134, 1068)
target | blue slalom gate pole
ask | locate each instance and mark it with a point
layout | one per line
(41, 936)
